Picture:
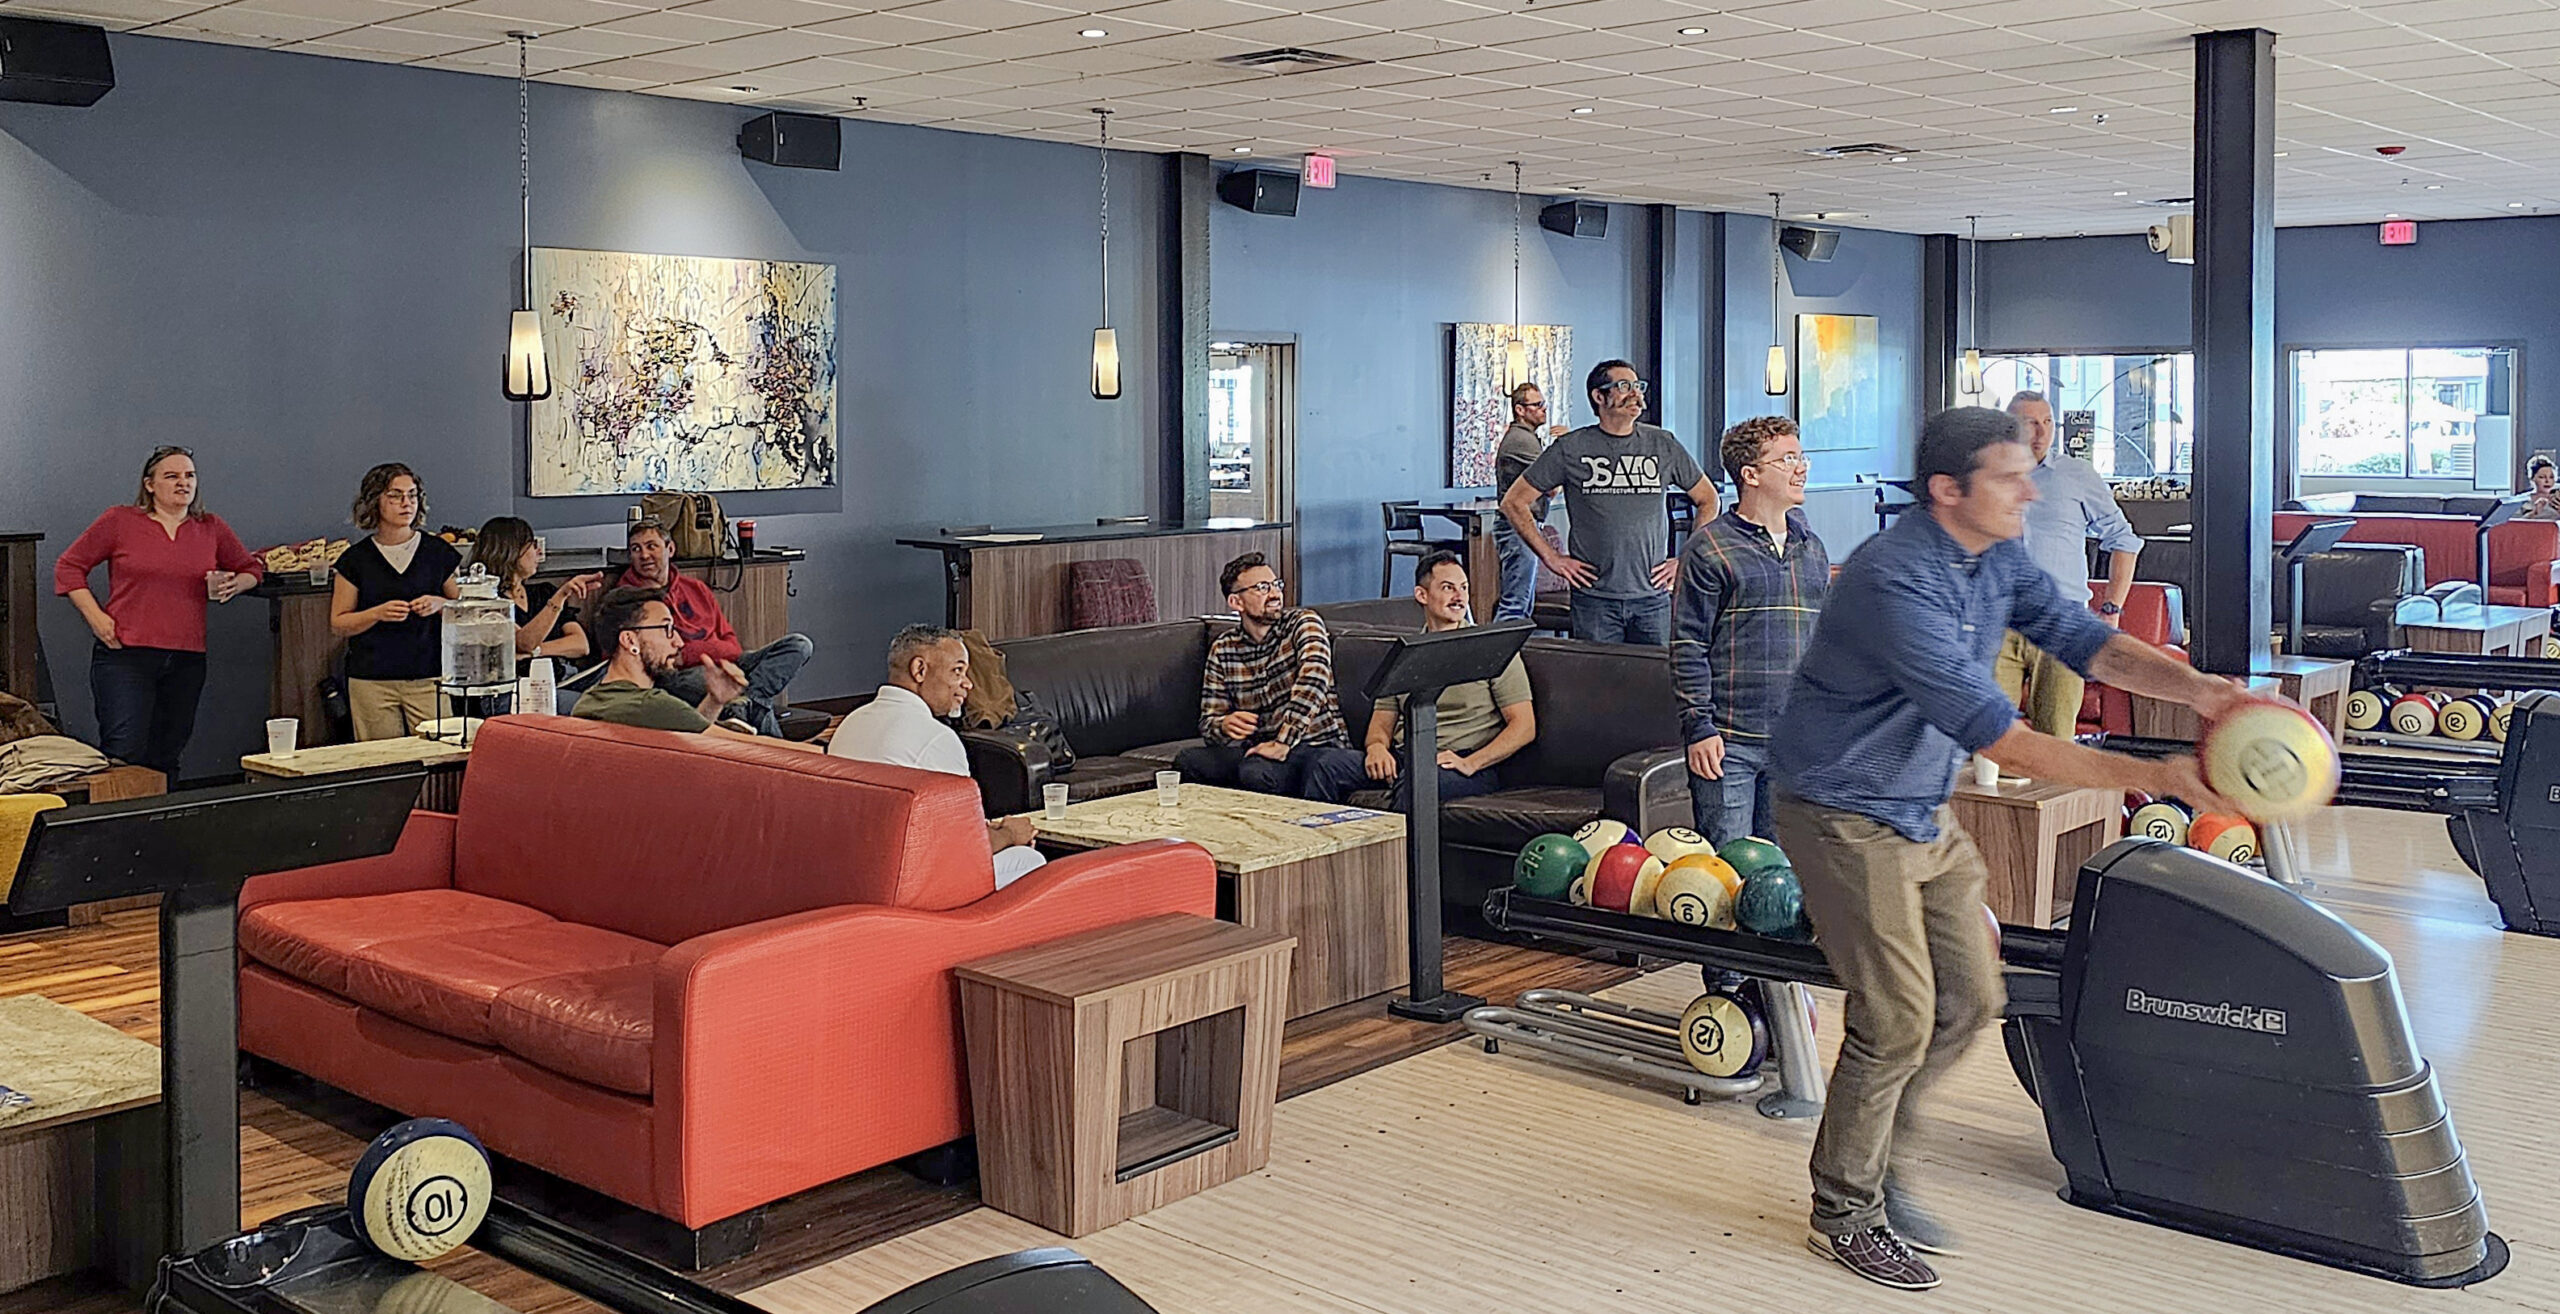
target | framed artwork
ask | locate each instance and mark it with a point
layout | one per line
(681, 372)
(1480, 407)
(1839, 382)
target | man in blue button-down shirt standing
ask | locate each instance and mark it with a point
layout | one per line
(1894, 690)
(2073, 505)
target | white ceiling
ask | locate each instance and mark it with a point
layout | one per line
(1450, 90)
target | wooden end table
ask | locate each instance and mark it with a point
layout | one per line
(1338, 888)
(2321, 686)
(2157, 718)
(2034, 835)
(2484, 631)
(71, 1161)
(1123, 1069)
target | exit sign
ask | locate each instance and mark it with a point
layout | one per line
(1318, 171)
(2400, 232)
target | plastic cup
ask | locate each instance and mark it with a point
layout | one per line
(281, 733)
(320, 572)
(1168, 789)
(1053, 801)
(1986, 772)
(213, 584)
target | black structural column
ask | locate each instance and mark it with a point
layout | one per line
(1653, 357)
(1711, 327)
(1941, 309)
(1182, 467)
(2235, 306)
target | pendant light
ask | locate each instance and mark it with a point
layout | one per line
(1776, 382)
(1106, 344)
(1969, 380)
(1515, 361)
(528, 375)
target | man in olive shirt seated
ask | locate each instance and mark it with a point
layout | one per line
(1482, 722)
(637, 629)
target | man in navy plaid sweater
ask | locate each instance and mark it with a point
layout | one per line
(1751, 583)
(1267, 706)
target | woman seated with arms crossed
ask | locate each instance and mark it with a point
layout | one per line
(546, 613)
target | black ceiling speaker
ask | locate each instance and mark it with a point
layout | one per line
(54, 63)
(1810, 243)
(794, 141)
(1263, 191)
(1576, 219)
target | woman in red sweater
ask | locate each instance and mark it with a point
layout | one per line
(165, 558)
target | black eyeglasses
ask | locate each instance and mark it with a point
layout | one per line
(1636, 386)
(669, 627)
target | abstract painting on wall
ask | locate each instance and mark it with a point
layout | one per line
(1839, 382)
(679, 372)
(1481, 406)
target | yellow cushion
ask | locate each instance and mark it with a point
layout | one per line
(17, 817)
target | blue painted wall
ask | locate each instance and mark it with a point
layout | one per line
(2475, 281)
(300, 266)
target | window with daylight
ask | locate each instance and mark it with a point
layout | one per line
(2126, 413)
(2395, 412)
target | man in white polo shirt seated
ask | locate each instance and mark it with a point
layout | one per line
(903, 726)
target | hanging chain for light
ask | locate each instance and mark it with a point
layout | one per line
(1515, 249)
(524, 151)
(1969, 378)
(1103, 116)
(1775, 263)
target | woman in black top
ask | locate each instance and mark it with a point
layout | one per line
(546, 613)
(389, 588)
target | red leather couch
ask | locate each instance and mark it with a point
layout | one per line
(2153, 613)
(2524, 555)
(695, 975)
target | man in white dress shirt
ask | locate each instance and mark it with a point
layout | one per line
(903, 726)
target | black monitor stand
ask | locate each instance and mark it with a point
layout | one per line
(2317, 537)
(2499, 513)
(1419, 667)
(193, 849)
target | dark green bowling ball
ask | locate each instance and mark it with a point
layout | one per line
(1548, 865)
(1746, 856)
(1772, 904)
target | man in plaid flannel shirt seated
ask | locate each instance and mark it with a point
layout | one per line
(1267, 707)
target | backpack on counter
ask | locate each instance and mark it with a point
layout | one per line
(693, 522)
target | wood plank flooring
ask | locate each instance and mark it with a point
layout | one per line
(299, 1140)
(1459, 1180)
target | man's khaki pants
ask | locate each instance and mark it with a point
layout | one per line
(2052, 690)
(1903, 927)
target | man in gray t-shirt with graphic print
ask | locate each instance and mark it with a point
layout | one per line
(1613, 473)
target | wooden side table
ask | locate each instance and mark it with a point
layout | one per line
(2155, 718)
(69, 1171)
(1123, 1069)
(2034, 835)
(2321, 686)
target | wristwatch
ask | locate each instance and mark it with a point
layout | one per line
(2109, 609)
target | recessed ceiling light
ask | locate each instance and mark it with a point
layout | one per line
(1899, 159)
(1693, 31)
(2435, 187)
(2064, 109)
(2017, 234)
(1582, 109)
(2393, 215)
(2515, 205)
(2281, 154)
(1092, 33)
(1240, 150)
(2124, 193)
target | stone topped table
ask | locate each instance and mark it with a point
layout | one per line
(91, 1091)
(443, 760)
(1334, 877)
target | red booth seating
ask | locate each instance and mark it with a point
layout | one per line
(2524, 555)
(2153, 613)
(694, 974)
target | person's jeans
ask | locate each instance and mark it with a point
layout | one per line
(1736, 806)
(1454, 785)
(768, 669)
(146, 704)
(1519, 573)
(1902, 926)
(1645, 620)
(1324, 773)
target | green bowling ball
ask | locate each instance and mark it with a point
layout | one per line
(1746, 856)
(1548, 865)
(1772, 904)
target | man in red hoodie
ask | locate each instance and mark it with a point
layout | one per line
(704, 632)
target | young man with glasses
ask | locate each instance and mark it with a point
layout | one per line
(1614, 473)
(705, 636)
(1267, 705)
(637, 631)
(1512, 457)
(1751, 583)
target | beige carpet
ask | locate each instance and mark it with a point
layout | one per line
(1464, 1182)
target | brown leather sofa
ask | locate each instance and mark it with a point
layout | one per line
(1128, 701)
(2394, 504)
(2350, 594)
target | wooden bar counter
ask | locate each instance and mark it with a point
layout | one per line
(1010, 583)
(756, 596)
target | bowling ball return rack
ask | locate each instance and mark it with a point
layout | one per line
(2210, 1050)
